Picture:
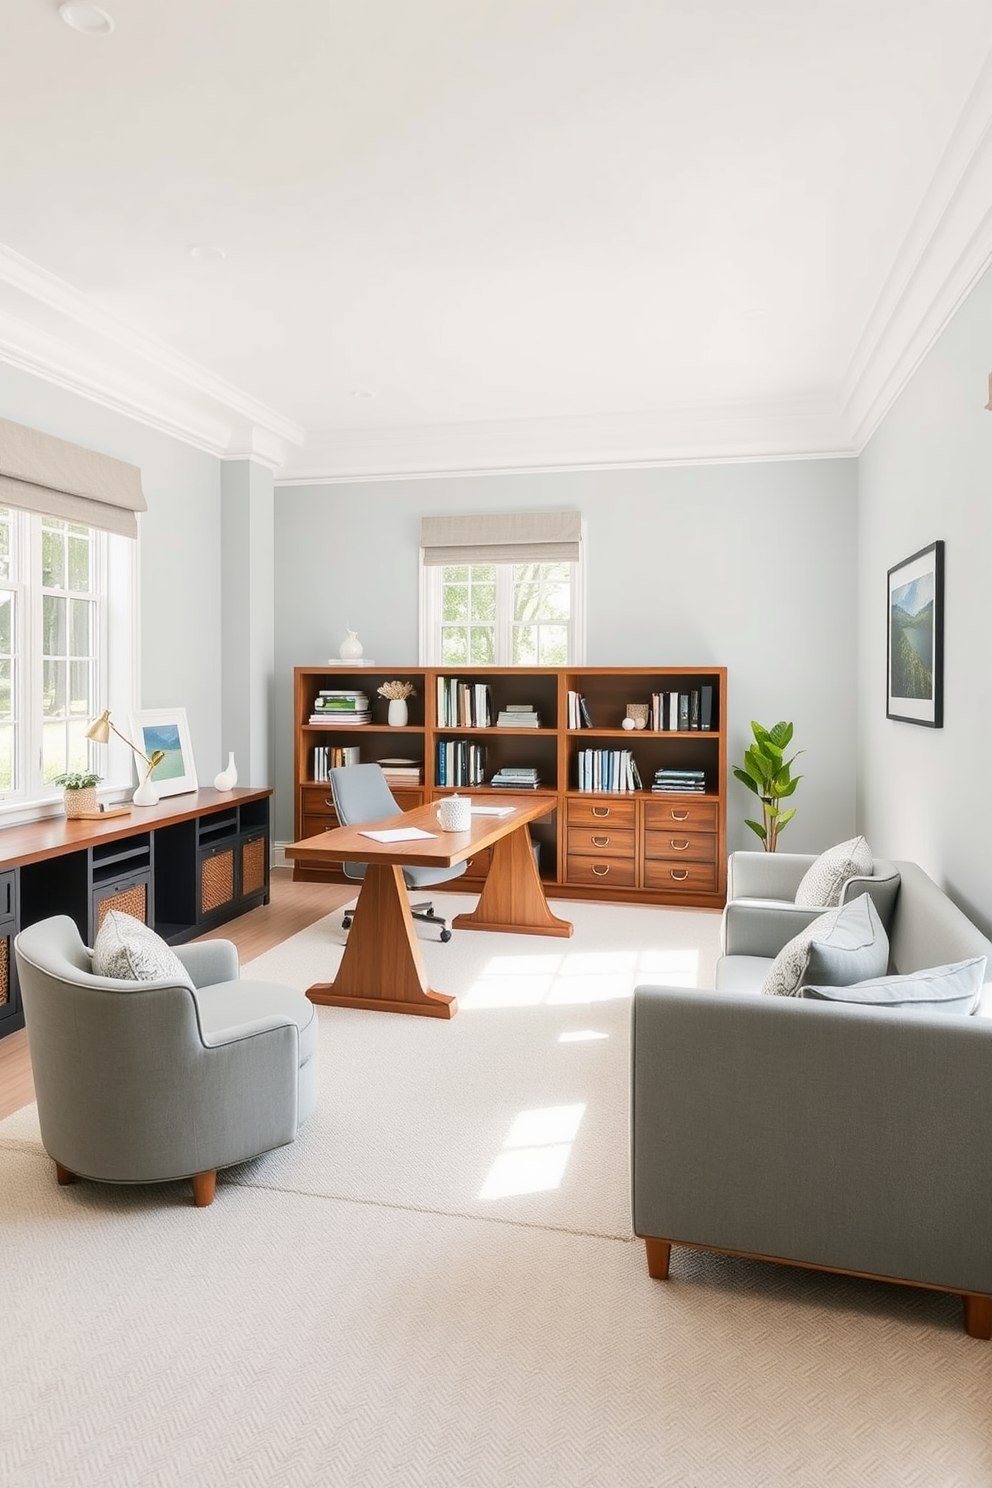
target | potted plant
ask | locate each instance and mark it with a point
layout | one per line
(79, 787)
(768, 774)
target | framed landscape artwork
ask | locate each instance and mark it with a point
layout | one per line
(166, 729)
(916, 638)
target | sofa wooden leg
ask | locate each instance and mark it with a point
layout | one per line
(659, 1256)
(204, 1188)
(977, 1314)
(63, 1176)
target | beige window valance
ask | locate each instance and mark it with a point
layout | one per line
(502, 537)
(43, 474)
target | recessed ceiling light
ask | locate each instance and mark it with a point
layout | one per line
(207, 251)
(362, 393)
(90, 19)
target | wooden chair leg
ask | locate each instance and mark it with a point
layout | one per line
(659, 1255)
(977, 1315)
(63, 1176)
(204, 1188)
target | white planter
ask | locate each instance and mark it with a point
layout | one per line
(398, 713)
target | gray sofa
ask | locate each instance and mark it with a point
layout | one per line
(843, 1138)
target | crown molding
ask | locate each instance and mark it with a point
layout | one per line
(683, 435)
(50, 329)
(944, 254)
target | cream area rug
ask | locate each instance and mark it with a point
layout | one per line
(436, 1284)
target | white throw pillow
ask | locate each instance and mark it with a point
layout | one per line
(823, 882)
(843, 946)
(129, 951)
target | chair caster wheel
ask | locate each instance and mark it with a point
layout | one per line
(445, 936)
(346, 923)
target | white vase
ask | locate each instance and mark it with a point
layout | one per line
(351, 647)
(398, 712)
(228, 778)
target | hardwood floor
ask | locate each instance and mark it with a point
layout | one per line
(292, 907)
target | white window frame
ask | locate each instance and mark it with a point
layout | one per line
(430, 612)
(115, 585)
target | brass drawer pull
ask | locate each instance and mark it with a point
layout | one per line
(679, 874)
(328, 801)
(601, 811)
(678, 846)
(601, 869)
(600, 841)
(680, 815)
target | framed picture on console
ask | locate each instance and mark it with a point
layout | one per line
(167, 729)
(915, 619)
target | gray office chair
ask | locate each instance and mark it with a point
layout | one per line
(361, 795)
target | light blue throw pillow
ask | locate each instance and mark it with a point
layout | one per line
(955, 988)
(843, 946)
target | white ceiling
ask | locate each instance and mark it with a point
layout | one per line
(543, 233)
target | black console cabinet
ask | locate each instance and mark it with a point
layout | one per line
(184, 867)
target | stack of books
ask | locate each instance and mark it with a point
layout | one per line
(402, 771)
(607, 770)
(459, 762)
(463, 704)
(518, 715)
(578, 712)
(339, 707)
(683, 710)
(679, 780)
(326, 757)
(517, 777)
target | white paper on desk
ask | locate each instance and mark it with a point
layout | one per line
(398, 834)
(493, 810)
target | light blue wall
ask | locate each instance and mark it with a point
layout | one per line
(179, 550)
(927, 473)
(748, 566)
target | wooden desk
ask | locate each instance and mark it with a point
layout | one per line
(382, 966)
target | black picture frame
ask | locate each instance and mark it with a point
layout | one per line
(915, 629)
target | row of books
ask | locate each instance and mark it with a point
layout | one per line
(459, 762)
(692, 709)
(577, 711)
(463, 704)
(607, 770)
(679, 780)
(336, 706)
(327, 758)
(517, 777)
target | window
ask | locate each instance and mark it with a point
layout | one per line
(59, 582)
(502, 590)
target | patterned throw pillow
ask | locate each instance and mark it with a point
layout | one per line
(956, 988)
(823, 882)
(843, 946)
(129, 951)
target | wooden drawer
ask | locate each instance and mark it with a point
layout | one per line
(601, 842)
(687, 847)
(662, 873)
(314, 825)
(617, 873)
(476, 867)
(684, 811)
(589, 812)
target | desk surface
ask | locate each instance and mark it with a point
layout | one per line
(441, 850)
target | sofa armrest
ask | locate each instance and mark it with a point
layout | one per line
(763, 875)
(851, 1138)
(210, 961)
(753, 928)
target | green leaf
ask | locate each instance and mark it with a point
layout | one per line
(786, 817)
(745, 779)
(756, 827)
(782, 734)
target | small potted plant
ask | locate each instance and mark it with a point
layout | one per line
(79, 787)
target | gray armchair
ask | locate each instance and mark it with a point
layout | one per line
(151, 1081)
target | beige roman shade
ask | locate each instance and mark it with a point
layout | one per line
(40, 473)
(502, 537)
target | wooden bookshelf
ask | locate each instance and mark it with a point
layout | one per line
(639, 846)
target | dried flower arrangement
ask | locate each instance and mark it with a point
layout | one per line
(397, 690)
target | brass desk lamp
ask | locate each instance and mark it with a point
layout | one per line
(100, 730)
